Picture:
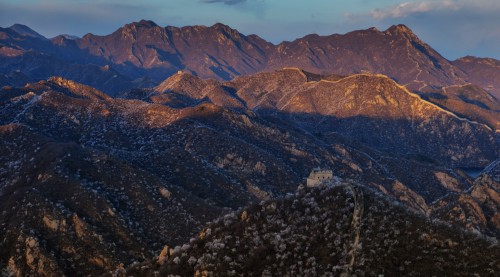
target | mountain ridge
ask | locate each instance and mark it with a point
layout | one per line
(144, 49)
(26, 31)
(325, 106)
(89, 181)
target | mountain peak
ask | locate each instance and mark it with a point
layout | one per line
(222, 27)
(177, 79)
(142, 24)
(400, 28)
(225, 29)
(78, 90)
(219, 25)
(25, 31)
(70, 37)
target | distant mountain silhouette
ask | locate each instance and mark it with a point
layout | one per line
(483, 72)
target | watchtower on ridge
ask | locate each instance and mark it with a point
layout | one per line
(317, 176)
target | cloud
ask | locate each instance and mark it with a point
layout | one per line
(244, 8)
(454, 28)
(408, 8)
(227, 2)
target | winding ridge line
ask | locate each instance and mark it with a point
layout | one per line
(355, 227)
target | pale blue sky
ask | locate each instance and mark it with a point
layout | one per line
(454, 27)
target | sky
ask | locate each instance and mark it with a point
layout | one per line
(455, 28)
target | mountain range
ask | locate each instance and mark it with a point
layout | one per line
(142, 53)
(116, 149)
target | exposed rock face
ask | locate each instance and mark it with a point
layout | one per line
(476, 208)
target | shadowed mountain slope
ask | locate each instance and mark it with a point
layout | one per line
(81, 170)
(342, 230)
(468, 101)
(372, 109)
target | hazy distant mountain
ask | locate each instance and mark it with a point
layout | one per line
(144, 49)
(30, 58)
(483, 72)
(24, 30)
